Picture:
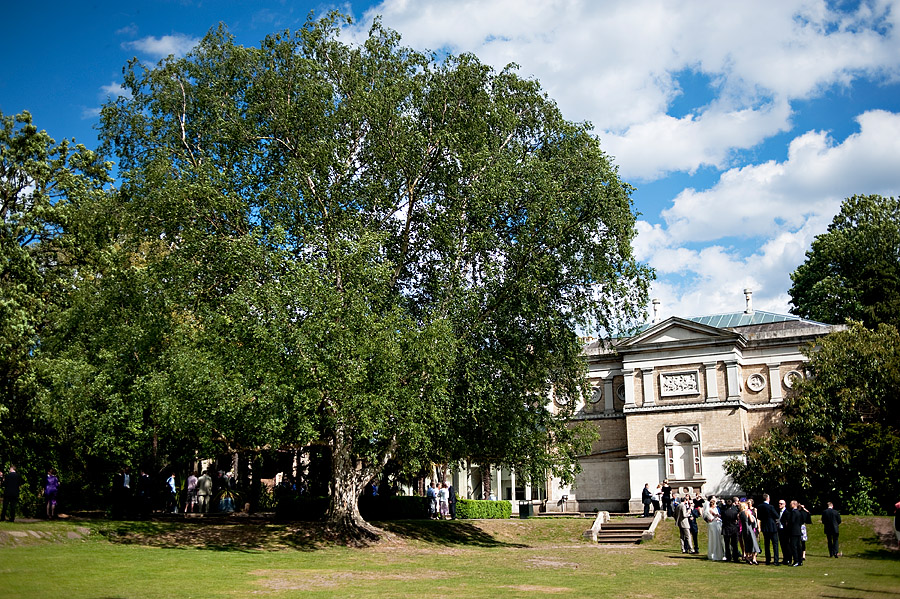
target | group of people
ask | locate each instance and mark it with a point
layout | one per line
(735, 525)
(11, 484)
(441, 501)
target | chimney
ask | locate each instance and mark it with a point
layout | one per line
(748, 293)
(655, 310)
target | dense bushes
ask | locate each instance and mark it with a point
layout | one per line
(477, 508)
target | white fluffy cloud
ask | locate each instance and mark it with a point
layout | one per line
(616, 63)
(177, 44)
(758, 200)
(782, 204)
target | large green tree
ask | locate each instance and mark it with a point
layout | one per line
(44, 189)
(852, 271)
(357, 246)
(841, 435)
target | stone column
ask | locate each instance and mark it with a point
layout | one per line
(712, 382)
(512, 485)
(775, 384)
(648, 388)
(629, 387)
(733, 380)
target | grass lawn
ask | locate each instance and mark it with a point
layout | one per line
(489, 559)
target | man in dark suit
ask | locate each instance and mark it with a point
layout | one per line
(831, 520)
(784, 532)
(646, 496)
(769, 521)
(797, 520)
(731, 530)
(451, 500)
(11, 483)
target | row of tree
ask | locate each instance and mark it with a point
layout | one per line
(309, 242)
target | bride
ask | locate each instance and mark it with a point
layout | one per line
(716, 547)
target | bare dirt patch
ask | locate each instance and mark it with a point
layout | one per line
(298, 580)
(551, 563)
(534, 588)
(884, 530)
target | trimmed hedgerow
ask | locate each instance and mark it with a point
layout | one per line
(478, 508)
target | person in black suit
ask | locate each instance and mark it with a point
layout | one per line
(796, 520)
(731, 530)
(451, 494)
(11, 483)
(784, 532)
(769, 521)
(646, 496)
(831, 520)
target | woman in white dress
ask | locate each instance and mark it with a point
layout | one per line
(716, 545)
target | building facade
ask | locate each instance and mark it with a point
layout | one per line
(677, 400)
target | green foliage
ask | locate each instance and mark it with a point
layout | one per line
(49, 223)
(841, 435)
(312, 242)
(853, 270)
(470, 509)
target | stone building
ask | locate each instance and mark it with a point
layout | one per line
(681, 397)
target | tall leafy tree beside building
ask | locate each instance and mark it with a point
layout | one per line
(351, 245)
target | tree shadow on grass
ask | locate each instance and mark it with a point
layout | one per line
(300, 536)
(222, 536)
(457, 532)
(877, 548)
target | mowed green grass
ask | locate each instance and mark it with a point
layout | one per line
(449, 559)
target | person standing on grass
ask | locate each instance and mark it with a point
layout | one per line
(715, 546)
(682, 521)
(731, 530)
(768, 519)
(190, 502)
(451, 501)
(11, 484)
(443, 501)
(831, 520)
(171, 494)
(796, 521)
(646, 499)
(433, 501)
(51, 487)
(784, 532)
(667, 498)
(204, 490)
(695, 515)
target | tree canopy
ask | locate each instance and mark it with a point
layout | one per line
(841, 435)
(357, 246)
(853, 270)
(44, 189)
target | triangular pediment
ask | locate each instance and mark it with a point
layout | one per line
(676, 330)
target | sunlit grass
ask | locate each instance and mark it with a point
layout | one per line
(461, 559)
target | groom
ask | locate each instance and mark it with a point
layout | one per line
(769, 519)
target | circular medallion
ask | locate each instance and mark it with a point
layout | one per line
(756, 382)
(790, 377)
(596, 395)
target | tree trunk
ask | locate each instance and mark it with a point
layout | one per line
(486, 482)
(348, 479)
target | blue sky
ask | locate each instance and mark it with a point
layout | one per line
(742, 125)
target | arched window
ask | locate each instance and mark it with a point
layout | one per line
(682, 451)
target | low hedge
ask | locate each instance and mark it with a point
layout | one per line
(480, 508)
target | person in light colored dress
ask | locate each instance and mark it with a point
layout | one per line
(715, 549)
